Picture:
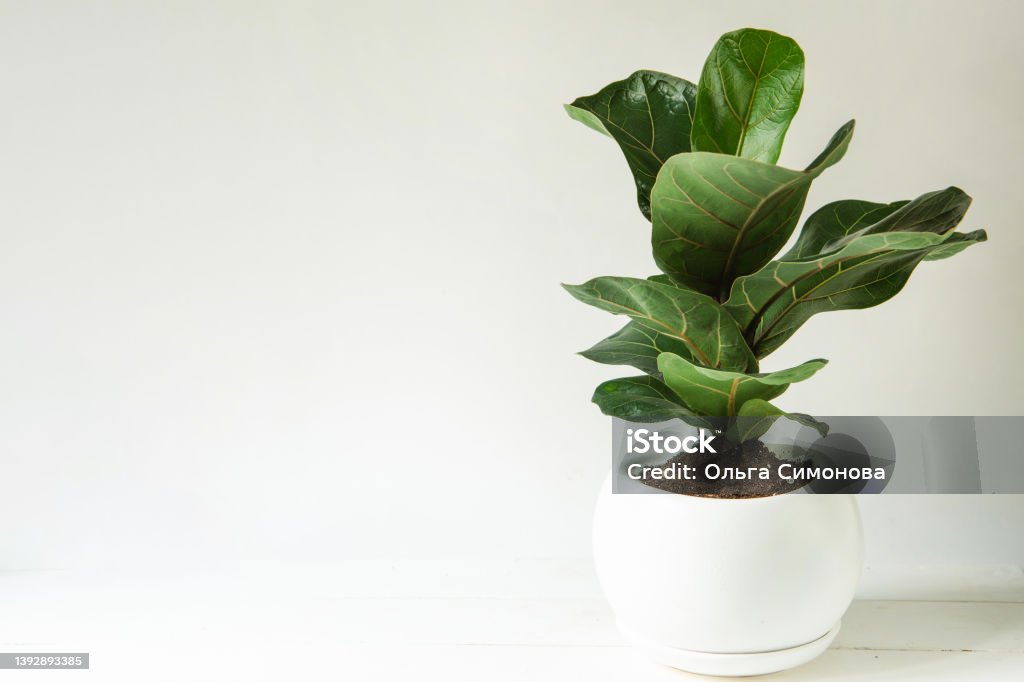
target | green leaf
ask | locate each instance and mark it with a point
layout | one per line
(754, 419)
(837, 224)
(639, 399)
(835, 221)
(710, 336)
(749, 91)
(809, 421)
(650, 115)
(714, 392)
(759, 408)
(756, 416)
(717, 217)
(635, 345)
(774, 302)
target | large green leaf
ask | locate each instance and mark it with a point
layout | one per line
(749, 91)
(636, 345)
(717, 217)
(711, 337)
(720, 393)
(774, 302)
(649, 114)
(835, 225)
(640, 399)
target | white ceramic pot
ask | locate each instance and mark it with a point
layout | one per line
(728, 587)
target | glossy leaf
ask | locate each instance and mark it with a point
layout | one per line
(710, 336)
(722, 393)
(649, 115)
(774, 302)
(717, 217)
(835, 225)
(636, 345)
(749, 91)
(639, 399)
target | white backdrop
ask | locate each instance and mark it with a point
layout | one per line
(280, 280)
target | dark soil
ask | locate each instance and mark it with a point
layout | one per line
(741, 457)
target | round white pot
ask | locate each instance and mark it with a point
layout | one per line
(728, 587)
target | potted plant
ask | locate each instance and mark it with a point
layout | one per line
(758, 583)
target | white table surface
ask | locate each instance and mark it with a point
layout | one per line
(434, 620)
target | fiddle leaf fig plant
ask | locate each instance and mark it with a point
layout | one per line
(703, 159)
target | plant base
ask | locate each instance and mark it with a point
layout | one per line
(734, 665)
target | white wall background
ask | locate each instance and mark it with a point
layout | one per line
(281, 279)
